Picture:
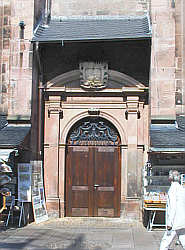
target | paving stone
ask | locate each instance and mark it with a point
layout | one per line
(78, 236)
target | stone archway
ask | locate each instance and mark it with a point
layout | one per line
(93, 169)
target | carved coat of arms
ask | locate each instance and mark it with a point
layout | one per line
(93, 76)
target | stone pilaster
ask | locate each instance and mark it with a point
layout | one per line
(132, 132)
(61, 179)
(51, 155)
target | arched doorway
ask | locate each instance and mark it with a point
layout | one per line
(93, 169)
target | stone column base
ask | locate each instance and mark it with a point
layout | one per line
(55, 207)
(131, 209)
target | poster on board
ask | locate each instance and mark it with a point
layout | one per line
(38, 197)
(24, 182)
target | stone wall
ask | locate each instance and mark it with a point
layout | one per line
(162, 90)
(179, 57)
(99, 7)
(167, 91)
(183, 58)
(167, 61)
(16, 76)
(5, 34)
(1, 47)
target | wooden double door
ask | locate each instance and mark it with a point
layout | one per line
(93, 181)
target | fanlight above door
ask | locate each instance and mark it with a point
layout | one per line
(93, 131)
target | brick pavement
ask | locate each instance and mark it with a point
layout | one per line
(82, 234)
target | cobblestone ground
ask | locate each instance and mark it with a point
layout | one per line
(82, 234)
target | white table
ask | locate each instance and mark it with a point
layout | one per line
(153, 211)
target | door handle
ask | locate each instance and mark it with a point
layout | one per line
(96, 186)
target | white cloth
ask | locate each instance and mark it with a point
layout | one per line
(175, 216)
(169, 237)
(175, 210)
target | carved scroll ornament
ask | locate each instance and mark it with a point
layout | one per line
(93, 132)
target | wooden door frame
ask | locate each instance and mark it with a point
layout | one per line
(111, 133)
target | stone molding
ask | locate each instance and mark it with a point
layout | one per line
(132, 104)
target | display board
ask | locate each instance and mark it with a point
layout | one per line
(24, 182)
(38, 197)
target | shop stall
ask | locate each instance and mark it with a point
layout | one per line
(156, 185)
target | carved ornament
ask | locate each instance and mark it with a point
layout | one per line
(93, 76)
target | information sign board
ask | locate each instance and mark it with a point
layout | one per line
(38, 197)
(24, 182)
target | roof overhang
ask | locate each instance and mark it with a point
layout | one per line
(90, 28)
(12, 136)
(167, 137)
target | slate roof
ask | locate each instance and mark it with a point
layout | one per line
(13, 135)
(93, 28)
(167, 136)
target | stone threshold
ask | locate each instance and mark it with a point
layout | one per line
(97, 222)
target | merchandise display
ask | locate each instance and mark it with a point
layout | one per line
(156, 185)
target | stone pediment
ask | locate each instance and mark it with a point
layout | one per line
(115, 80)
